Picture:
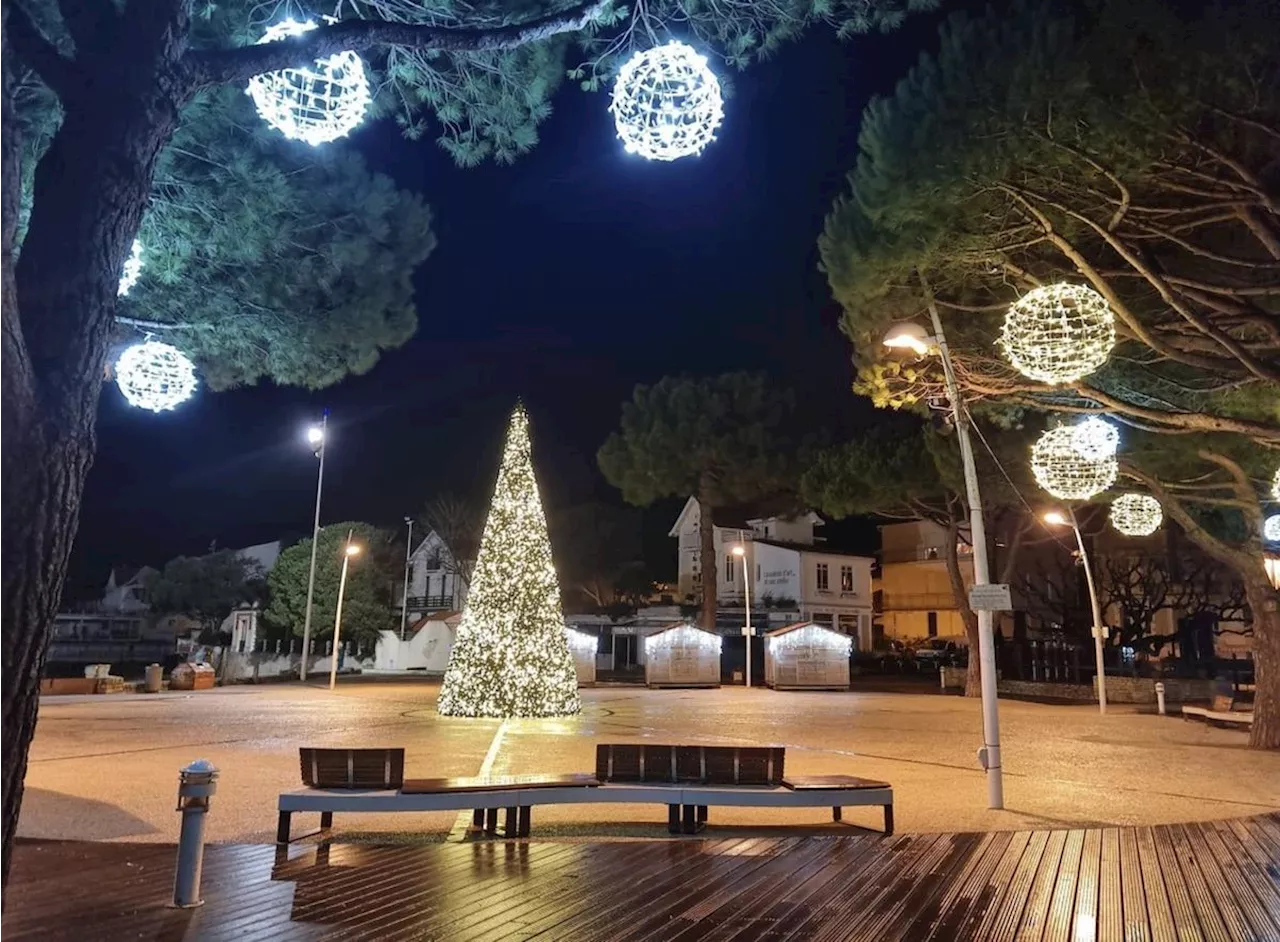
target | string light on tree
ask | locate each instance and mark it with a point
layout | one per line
(1058, 333)
(666, 103)
(1136, 514)
(1271, 529)
(510, 656)
(156, 376)
(317, 103)
(132, 269)
(1275, 486)
(1093, 439)
(1066, 473)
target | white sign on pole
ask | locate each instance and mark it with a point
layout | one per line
(990, 598)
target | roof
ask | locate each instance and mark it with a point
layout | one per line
(445, 617)
(681, 624)
(786, 629)
(823, 548)
(740, 516)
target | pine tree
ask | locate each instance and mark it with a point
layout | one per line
(510, 657)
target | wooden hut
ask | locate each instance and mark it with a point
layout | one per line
(682, 656)
(806, 656)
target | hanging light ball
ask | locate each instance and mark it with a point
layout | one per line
(132, 269)
(1136, 514)
(1062, 470)
(318, 103)
(153, 375)
(666, 103)
(1093, 439)
(1275, 486)
(1058, 333)
(1271, 529)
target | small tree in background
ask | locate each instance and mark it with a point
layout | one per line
(598, 553)
(723, 439)
(206, 588)
(369, 604)
(459, 523)
(510, 656)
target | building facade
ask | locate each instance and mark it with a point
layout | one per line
(914, 597)
(788, 569)
(437, 581)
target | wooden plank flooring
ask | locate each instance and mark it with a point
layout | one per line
(1218, 880)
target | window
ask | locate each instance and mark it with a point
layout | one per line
(728, 569)
(846, 578)
(933, 624)
(824, 579)
(433, 560)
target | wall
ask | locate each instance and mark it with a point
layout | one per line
(1139, 690)
(427, 649)
(912, 626)
(779, 570)
(266, 665)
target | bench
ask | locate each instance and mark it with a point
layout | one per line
(687, 779)
(739, 776)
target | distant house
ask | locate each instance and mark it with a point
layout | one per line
(914, 598)
(126, 590)
(790, 568)
(437, 581)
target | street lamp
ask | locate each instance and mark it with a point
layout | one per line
(350, 551)
(404, 598)
(1058, 519)
(741, 552)
(915, 338)
(316, 437)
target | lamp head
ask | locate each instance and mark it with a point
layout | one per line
(315, 435)
(353, 549)
(1055, 518)
(908, 336)
(739, 551)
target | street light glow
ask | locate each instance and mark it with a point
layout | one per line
(908, 336)
(315, 435)
(739, 550)
(1055, 518)
(353, 550)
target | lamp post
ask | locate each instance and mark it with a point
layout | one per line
(404, 598)
(350, 551)
(1058, 519)
(317, 436)
(913, 337)
(741, 552)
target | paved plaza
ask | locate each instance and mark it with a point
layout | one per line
(105, 768)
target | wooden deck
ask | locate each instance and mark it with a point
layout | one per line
(1213, 881)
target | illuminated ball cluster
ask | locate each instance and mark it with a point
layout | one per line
(511, 654)
(132, 269)
(1271, 529)
(153, 375)
(1095, 439)
(1058, 333)
(666, 103)
(317, 103)
(1136, 514)
(1064, 471)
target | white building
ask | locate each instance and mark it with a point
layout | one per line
(790, 568)
(437, 581)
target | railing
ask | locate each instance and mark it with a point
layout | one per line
(429, 603)
(910, 602)
(917, 554)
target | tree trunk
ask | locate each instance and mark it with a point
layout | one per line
(1264, 601)
(89, 193)
(707, 562)
(973, 675)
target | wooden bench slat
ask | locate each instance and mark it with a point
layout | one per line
(352, 768)
(675, 764)
(804, 783)
(437, 786)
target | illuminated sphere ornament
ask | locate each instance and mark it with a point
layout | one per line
(1271, 529)
(1275, 486)
(1062, 470)
(1094, 439)
(132, 269)
(666, 103)
(1136, 514)
(1058, 333)
(155, 376)
(318, 103)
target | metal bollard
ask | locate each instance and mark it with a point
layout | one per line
(197, 783)
(1160, 697)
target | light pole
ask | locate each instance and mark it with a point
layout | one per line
(351, 550)
(317, 435)
(1056, 518)
(404, 598)
(914, 337)
(741, 552)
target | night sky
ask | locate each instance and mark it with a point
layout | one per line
(564, 279)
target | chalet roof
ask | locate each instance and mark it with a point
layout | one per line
(796, 626)
(449, 618)
(680, 624)
(739, 516)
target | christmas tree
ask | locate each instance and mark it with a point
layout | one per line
(510, 656)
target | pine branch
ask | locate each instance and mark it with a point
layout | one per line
(222, 66)
(57, 71)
